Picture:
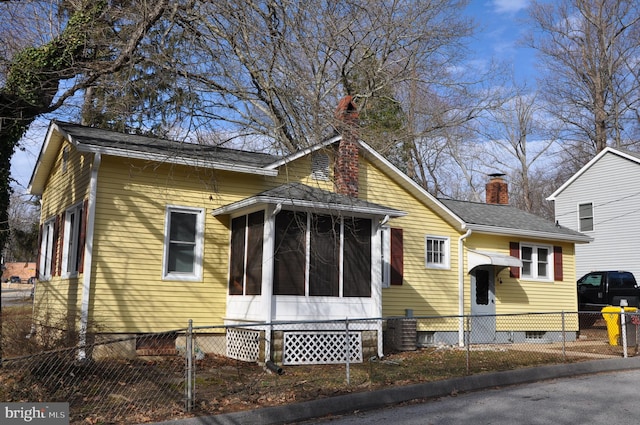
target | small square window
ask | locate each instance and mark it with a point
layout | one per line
(437, 252)
(536, 262)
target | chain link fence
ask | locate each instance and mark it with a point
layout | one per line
(209, 370)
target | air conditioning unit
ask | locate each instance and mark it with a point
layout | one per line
(402, 334)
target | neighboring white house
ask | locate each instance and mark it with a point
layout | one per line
(602, 200)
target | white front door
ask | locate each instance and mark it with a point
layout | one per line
(483, 306)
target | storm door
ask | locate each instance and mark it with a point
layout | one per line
(483, 306)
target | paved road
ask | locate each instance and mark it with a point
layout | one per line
(606, 398)
(15, 296)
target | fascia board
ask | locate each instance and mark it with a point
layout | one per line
(52, 141)
(125, 153)
(303, 152)
(584, 169)
(504, 231)
(432, 201)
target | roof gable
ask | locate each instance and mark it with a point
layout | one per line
(631, 156)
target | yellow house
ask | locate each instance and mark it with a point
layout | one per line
(141, 235)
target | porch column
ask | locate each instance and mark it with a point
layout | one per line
(267, 298)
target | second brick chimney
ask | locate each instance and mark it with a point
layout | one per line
(346, 165)
(497, 190)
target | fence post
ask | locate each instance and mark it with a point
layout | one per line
(189, 368)
(623, 329)
(564, 339)
(468, 343)
(348, 349)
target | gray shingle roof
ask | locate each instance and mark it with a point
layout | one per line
(505, 218)
(108, 140)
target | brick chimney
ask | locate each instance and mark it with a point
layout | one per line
(346, 165)
(497, 190)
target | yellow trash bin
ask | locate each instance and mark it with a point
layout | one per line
(611, 315)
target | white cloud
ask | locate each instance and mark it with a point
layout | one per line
(509, 6)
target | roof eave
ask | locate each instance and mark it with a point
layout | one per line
(125, 153)
(304, 205)
(507, 231)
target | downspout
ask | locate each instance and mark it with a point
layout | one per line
(461, 287)
(88, 252)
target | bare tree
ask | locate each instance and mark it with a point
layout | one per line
(519, 143)
(588, 51)
(278, 67)
(79, 42)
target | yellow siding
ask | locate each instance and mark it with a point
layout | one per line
(64, 189)
(514, 296)
(128, 293)
(522, 295)
(427, 291)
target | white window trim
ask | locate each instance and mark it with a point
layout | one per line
(199, 245)
(534, 262)
(446, 262)
(71, 240)
(46, 249)
(593, 222)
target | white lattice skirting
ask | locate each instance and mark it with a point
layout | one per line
(321, 348)
(243, 344)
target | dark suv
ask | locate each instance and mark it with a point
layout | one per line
(603, 288)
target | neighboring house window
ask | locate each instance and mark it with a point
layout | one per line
(73, 241)
(585, 217)
(247, 235)
(184, 234)
(536, 261)
(47, 245)
(437, 252)
(320, 255)
(392, 256)
(320, 166)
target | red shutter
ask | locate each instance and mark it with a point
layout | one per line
(514, 251)
(60, 244)
(557, 263)
(397, 257)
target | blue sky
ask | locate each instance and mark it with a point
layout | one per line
(500, 26)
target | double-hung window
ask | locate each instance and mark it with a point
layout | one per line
(585, 217)
(73, 240)
(537, 261)
(437, 252)
(46, 249)
(183, 243)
